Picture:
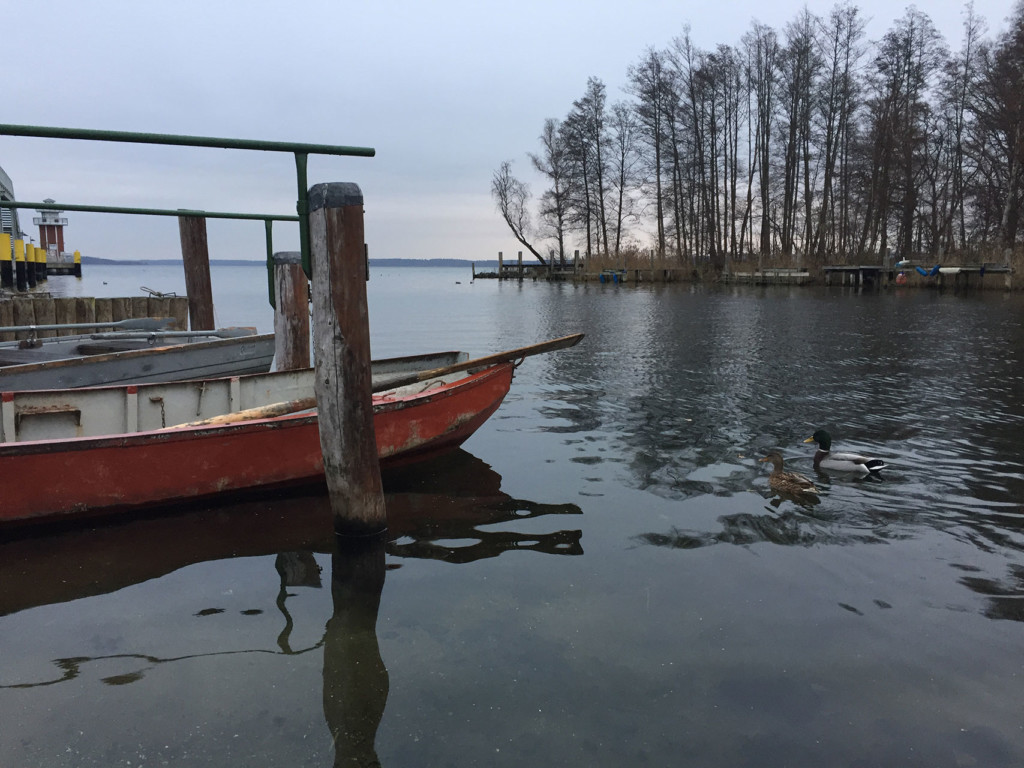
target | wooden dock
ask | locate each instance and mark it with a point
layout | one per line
(877, 275)
(768, 277)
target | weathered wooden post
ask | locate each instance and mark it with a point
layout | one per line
(520, 264)
(341, 345)
(501, 266)
(195, 253)
(43, 307)
(291, 312)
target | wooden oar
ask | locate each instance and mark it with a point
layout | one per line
(261, 412)
(401, 380)
(131, 324)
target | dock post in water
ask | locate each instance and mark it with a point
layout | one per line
(20, 280)
(341, 344)
(195, 253)
(291, 312)
(6, 262)
(41, 276)
(30, 265)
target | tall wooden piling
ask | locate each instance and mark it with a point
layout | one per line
(291, 312)
(195, 253)
(341, 344)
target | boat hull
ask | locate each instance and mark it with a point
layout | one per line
(58, 479)
(168, 362)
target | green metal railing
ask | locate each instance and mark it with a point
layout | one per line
(301, 151)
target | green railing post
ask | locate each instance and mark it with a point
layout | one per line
(300, 150)
(302, 208)
(268, 224)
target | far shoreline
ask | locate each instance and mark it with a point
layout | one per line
(96, 261)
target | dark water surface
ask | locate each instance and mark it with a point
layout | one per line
(601, 578)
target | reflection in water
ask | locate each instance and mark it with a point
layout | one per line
(697, 381)
(355, 678)
(432, 516)
(296, 569)
(448, 499)
(436, 511)
(785, 528)
(1005, 598)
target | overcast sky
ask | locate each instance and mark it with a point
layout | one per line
(444, 92)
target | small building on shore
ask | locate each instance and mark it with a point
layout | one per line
(9, 224)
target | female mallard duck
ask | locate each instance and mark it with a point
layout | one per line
(787, 482)
(841, 462)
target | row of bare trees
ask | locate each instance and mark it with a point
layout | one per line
(810, 141)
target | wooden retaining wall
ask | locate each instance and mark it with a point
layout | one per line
(47, 310)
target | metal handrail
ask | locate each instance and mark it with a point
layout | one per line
(300, 150)
(145, 211)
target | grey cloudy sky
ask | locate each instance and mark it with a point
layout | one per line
(444, 92)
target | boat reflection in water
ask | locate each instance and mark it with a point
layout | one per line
(444, 500)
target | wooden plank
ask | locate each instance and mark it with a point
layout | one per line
(562, 342)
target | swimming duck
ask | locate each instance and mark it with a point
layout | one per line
(787, 482)
(841, 462)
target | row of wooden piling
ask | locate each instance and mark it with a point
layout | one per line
(47, 310)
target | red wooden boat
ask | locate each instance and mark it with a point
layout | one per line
(75, 452)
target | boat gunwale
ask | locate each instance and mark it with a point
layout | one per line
(199, 431)
(129, 354)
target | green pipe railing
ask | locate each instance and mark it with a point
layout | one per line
(269, 220)
(299, 149)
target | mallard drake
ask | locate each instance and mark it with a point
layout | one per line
(787, 482)
(841, 462)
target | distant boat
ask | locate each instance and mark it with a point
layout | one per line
(139, 351)
(71, 452)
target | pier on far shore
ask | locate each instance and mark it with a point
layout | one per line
(648, 269)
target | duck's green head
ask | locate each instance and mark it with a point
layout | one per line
(822, 438)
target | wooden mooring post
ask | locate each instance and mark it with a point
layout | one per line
(291, 312)
(195, 253)
(341, 344)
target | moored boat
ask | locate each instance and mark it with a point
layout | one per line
(134, 356)
(102, 449)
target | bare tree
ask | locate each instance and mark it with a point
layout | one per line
(512, 198)
(650, 85)
(624, 168)
(553, 163)
(999, 147)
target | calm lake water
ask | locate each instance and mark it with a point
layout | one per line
(601, 578)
